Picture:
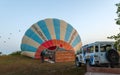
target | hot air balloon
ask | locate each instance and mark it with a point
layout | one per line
(49, 34)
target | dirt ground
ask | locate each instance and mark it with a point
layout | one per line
(95, 73)
(20, 65)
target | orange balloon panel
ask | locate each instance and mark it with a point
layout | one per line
(48, 44)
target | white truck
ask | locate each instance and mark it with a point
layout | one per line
(98, 53)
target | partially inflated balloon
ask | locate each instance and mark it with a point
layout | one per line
(49, 34)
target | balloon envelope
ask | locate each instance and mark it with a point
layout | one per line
(49, 34)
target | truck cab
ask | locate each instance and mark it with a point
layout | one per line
(97, 53)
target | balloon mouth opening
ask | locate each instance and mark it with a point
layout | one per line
(52, 48)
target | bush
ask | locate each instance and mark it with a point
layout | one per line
(16, 53)
(0, 53)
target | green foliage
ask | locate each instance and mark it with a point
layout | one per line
(118, 13)
(117, 42)
(16, 53)
(117, 37)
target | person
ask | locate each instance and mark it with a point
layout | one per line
(42, 55)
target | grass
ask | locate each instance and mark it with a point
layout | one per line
(21, 65)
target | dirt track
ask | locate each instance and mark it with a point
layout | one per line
(94, 73)
(102, 71)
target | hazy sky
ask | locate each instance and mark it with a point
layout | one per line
(93, 19)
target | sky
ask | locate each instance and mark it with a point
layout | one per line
(93, 19)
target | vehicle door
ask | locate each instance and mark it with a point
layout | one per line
(96, 55)
(102, 53)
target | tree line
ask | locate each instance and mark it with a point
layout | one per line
(117, 37)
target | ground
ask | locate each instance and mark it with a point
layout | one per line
(21, 65)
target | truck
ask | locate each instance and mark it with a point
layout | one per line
(98, 53)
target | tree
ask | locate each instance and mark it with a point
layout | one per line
(117, 37)
(117, 42)
(0, 53)
(118, 13)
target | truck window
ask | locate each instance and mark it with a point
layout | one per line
(80, 51)
(104, 48)
(96, 48)
(84, 50)
(90, 49)
(108, 47)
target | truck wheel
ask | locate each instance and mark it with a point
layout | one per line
(77, 63)
(112, 56)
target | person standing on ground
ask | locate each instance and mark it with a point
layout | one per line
(42, 55)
